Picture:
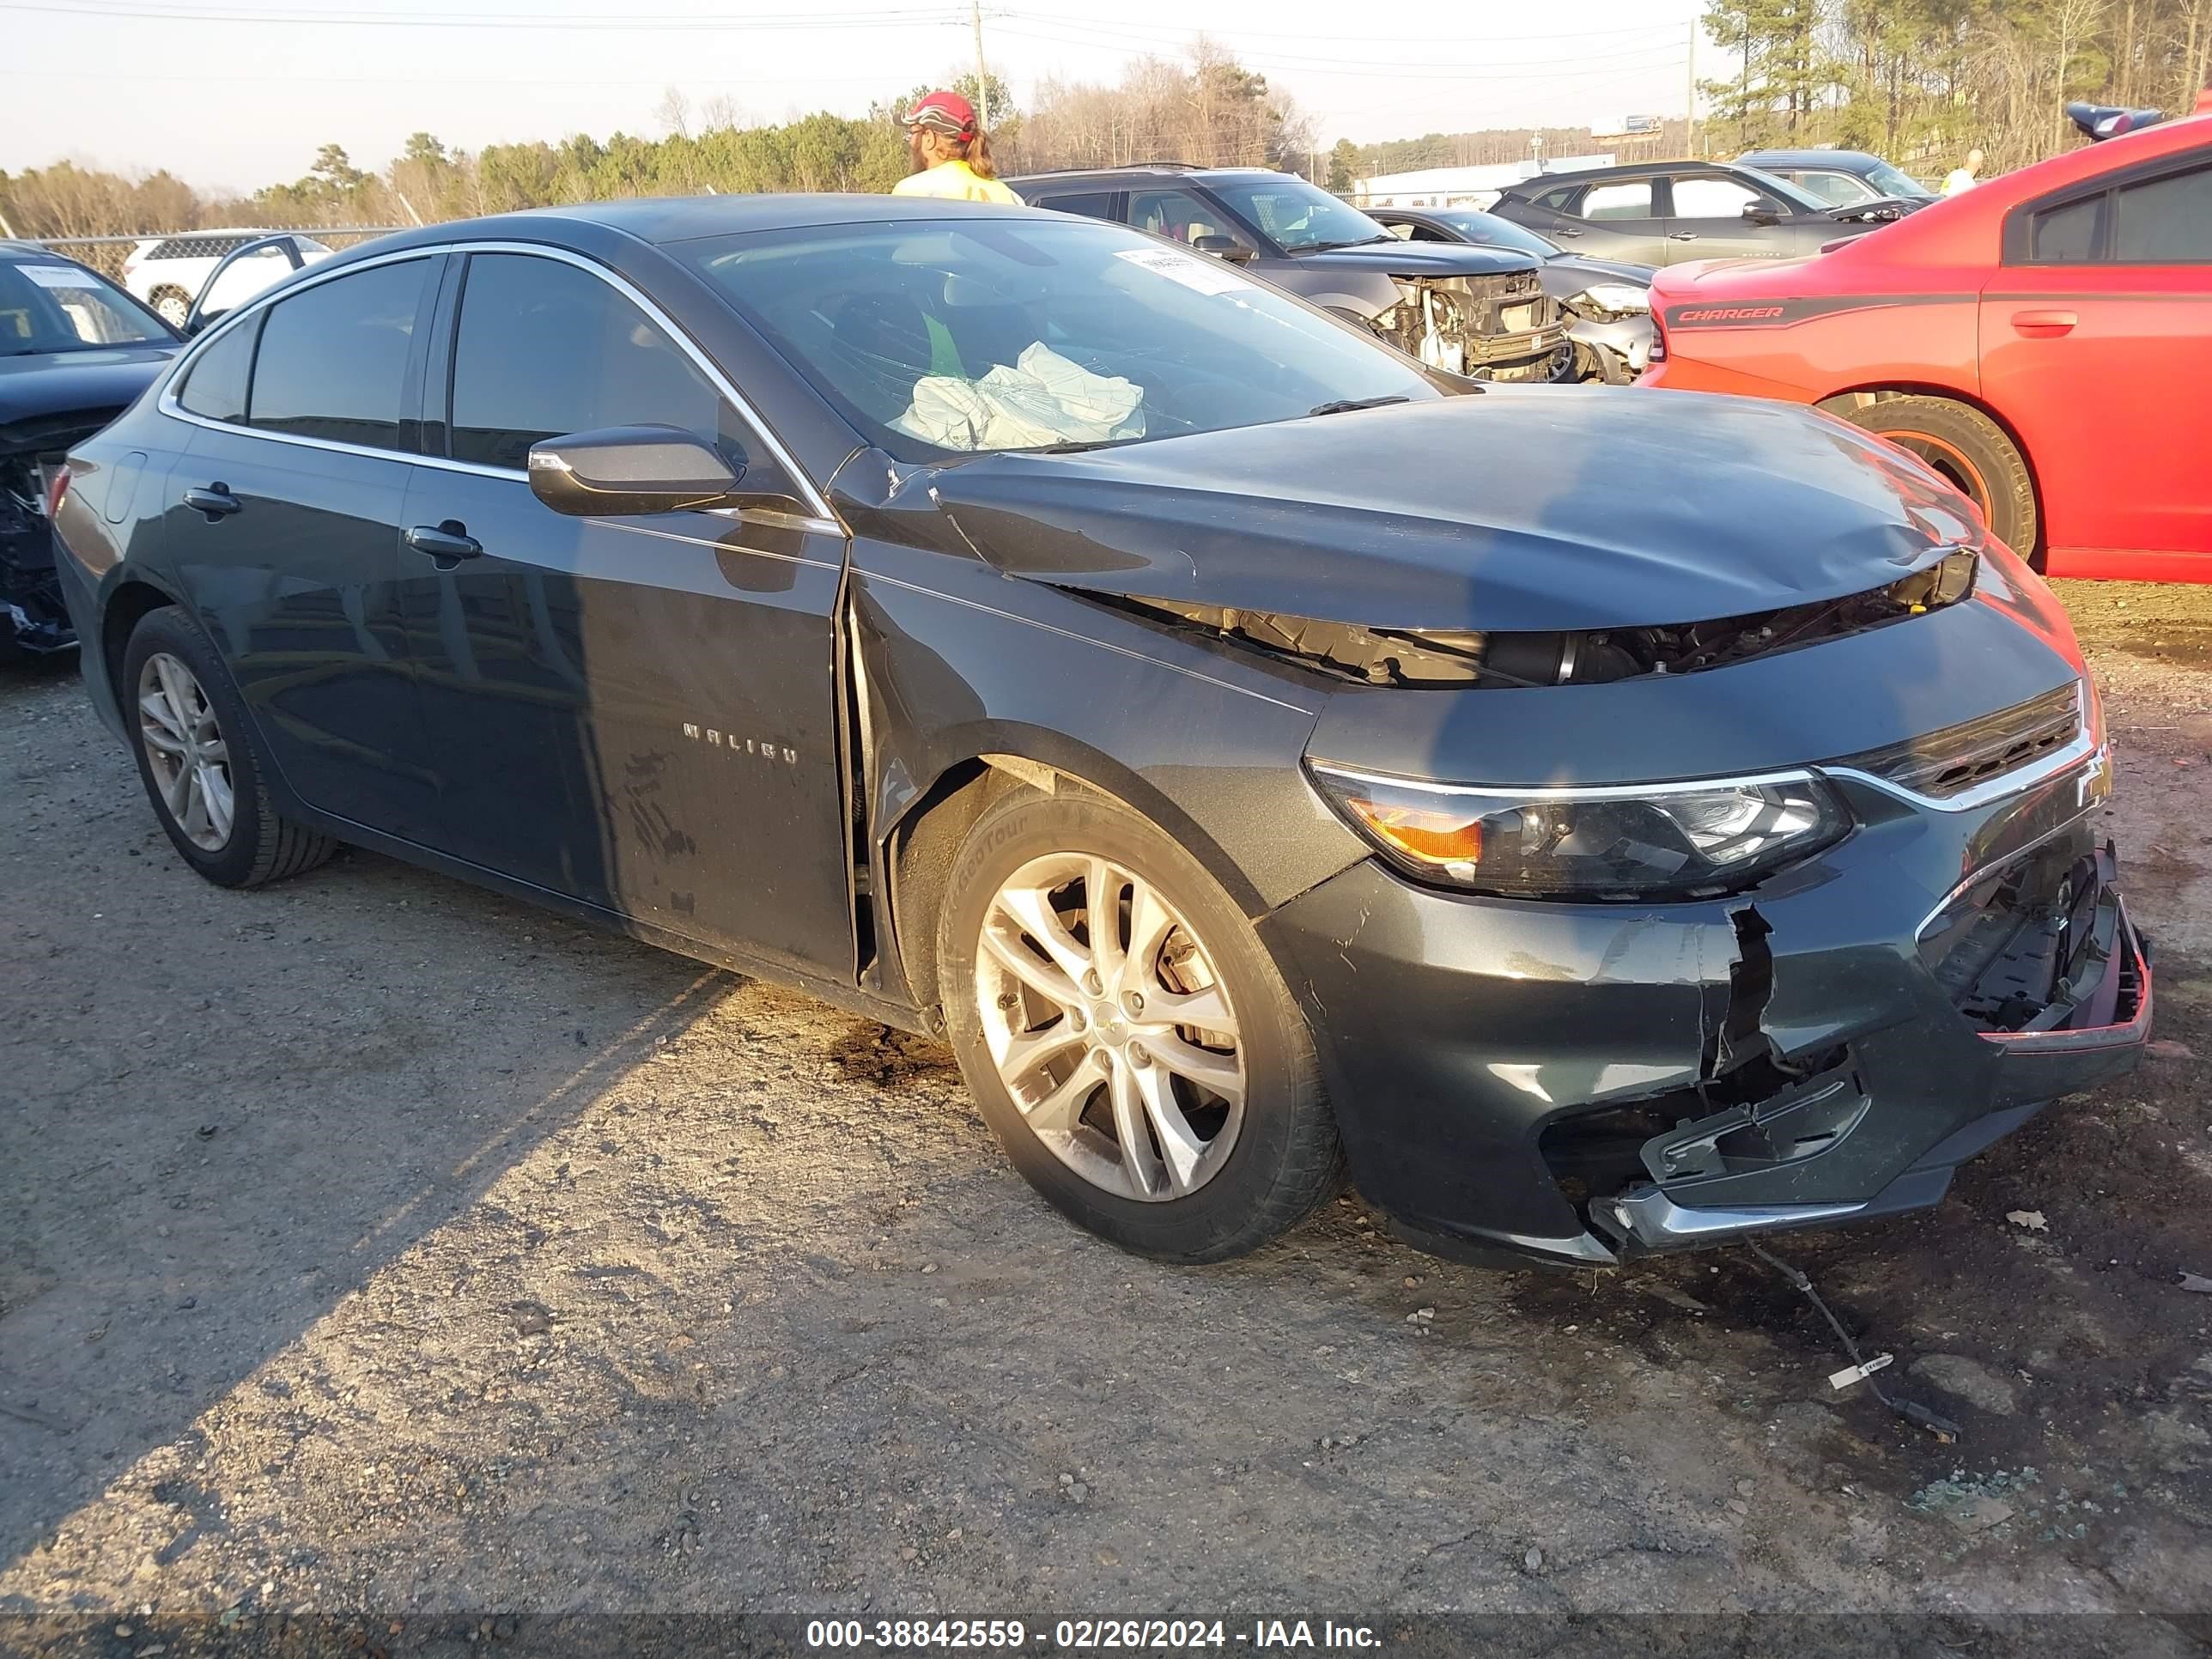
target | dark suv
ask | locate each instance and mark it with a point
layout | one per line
(1657, 213)
(1477, 310)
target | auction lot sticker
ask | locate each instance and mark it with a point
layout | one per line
(59, 276)
(1203, 275)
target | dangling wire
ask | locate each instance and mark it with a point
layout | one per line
(1910, 1410)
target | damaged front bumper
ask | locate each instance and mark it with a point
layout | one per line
(1578, 1082)
(32, 619)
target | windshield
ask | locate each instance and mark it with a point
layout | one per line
(1890, 181)
(1490, 230)
(1299, 217)
(47, 305)
(938, 336)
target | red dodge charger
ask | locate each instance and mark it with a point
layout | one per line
(2044, 341)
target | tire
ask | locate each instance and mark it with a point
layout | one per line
(1971, 450)
(175, 688)
(172, 305)
(1233, 1173)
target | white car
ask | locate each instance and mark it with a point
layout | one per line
(167, 272)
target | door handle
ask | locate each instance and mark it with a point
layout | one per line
(216, 500)
(1681, 236)
(447, 543)
(1563, 231)
(2043, 325)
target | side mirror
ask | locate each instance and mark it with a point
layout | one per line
(1223, 247)
(1759, 214)
(622, 469)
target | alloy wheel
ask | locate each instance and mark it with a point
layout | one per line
(1110, 1027)
(186, 749)
(173, 309)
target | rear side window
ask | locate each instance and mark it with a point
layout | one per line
(333, 359)
(215, 385)
(2065, 235)
(2165, 220)
(545, 349)
(1630, 199)
(1555, 200)
(1091, 204)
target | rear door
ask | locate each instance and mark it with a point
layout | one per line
(2096, 339)
(640, 713)
(1610, 219)
(282, 518)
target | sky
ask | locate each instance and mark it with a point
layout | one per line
(235, 93)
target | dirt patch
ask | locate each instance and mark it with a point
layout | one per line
(374, 1243)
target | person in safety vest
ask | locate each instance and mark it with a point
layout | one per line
(951, 153)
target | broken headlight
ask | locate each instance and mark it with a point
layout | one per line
(1609, 300)
(1633, 841)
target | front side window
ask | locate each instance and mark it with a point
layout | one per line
(963, 335)
(333, 357)
(546, 349)
(1300, 217)
(1630, 199)
(1708, 197)
(47, 305)
(1180, 216)
(2164, 221)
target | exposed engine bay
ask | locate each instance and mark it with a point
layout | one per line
(1491, 328)
(1424, 658)
(32, 621)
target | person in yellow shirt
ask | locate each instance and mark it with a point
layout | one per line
(951, 154)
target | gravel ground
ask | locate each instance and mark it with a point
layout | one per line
(376, 1246)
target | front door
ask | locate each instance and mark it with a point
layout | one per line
(2096, 339)
(281, 519)
(640, 713)
(1705, 221)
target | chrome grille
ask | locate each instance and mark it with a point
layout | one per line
(1948, 763)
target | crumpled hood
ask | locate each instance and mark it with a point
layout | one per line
(1512, 509)
(1397, 258)
(62, 383)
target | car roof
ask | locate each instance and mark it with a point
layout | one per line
(1148, 169)
(1846, 159)
(686, 218)
(1620, 170)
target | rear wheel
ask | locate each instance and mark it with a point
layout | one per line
(173, 306)
(1126, 1035)
(1971, 450)
(198, 760)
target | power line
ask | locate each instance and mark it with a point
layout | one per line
(778, 23)
(1341, 67)
(1551, 38)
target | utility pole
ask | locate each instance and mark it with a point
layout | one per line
(982, 75)
(1690, 98)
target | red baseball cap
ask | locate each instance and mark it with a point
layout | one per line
(947, 112)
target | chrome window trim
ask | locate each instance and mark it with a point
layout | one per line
(823, 518)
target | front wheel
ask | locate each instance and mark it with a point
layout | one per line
(1126, 1035)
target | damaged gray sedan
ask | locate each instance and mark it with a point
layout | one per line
(1607, 822)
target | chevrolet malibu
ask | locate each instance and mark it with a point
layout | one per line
(1598, 822)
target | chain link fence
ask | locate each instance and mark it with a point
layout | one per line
(105, 254)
